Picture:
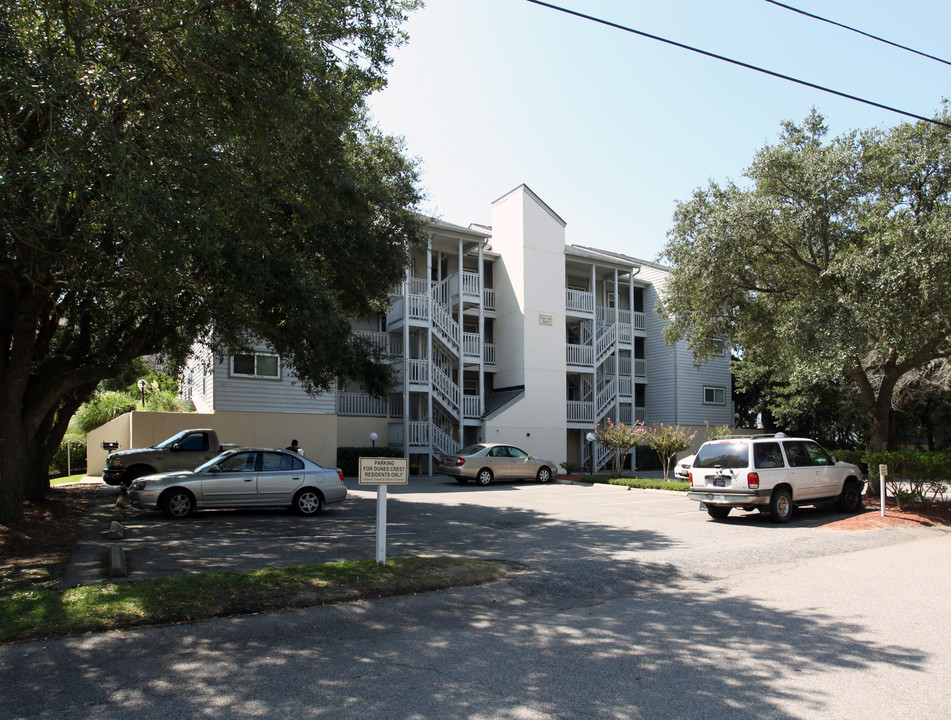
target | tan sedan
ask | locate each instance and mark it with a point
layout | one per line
(486, 462)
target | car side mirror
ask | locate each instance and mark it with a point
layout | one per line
(175, 447)
(214, 469)
(834, 459)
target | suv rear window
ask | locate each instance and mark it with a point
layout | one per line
(723, 453)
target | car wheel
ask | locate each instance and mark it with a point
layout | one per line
(308, 502)
(718, 512)
(544, 474)
(484, 477)
(462, 480)
(850, 499)
(177, 503)
(781, 506)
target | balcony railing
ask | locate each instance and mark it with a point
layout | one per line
(579, 301)
(471, 406)
(579, 355)
(488, 298)
(580, 412)
(360, 405)
(470, 345)
(490, 354)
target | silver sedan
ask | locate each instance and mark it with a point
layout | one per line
(245, 477)
(486, 462)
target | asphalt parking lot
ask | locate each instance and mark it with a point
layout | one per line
(577, 529)
(620, 604)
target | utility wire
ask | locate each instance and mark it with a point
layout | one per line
(860, 32)
(738, 62)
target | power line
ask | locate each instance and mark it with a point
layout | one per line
(855, 30)
(740, 63)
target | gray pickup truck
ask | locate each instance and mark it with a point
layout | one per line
(185, 450)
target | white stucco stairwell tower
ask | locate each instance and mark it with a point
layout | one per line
(530, 328)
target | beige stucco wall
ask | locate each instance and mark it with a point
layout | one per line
(317, 434)
(355, 431)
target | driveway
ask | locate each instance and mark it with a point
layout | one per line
(622, 604)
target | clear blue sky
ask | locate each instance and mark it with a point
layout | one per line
(612, 129)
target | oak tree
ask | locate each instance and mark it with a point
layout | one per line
(833, 262)
(169, 168)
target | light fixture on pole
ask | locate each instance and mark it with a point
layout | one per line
(591, 437)
(142, 384)
(373, 438)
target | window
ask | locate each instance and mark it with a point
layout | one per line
(276, 462)
(258, 365)
(767, 455)
(196, 442)
(239, 462)
(714, 396)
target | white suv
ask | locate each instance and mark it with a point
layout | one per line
(771, 474)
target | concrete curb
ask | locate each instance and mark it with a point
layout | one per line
(116, 564)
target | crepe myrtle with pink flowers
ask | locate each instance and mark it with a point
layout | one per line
(620, 438)
(667, 441)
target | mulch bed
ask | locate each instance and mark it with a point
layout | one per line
(871, 518)
(34, 551)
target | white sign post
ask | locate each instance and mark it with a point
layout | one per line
(882, 472)
(382, 472)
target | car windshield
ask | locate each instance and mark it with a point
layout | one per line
(172, 440)
(723, 453)
(472, 450)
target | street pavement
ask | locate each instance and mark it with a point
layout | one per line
(620, 604)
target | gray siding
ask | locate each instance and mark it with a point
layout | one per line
(675, 384)
(265, 394)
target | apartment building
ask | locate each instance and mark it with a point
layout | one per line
(501, 333)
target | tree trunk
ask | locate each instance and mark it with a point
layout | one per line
(13, 451)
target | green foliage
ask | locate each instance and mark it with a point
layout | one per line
(620, 438)
(101, 408)
(667, 441)
(348, 458)
(651, 484)
(132, 139)
(718, 432)
(570, 467)
(163, 401)
(914, 476)
(830, 268)
(76, 455)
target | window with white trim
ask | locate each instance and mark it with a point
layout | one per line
(258, 365)
(714, 396)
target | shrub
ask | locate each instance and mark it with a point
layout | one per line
(59, 466)
(348, 458)
(101, 408)
(163, 401)
(914, 476)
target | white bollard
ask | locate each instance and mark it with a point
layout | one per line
(882, 472)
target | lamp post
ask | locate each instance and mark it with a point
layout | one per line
(591, 437)
(373, 438)
(142, 384)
